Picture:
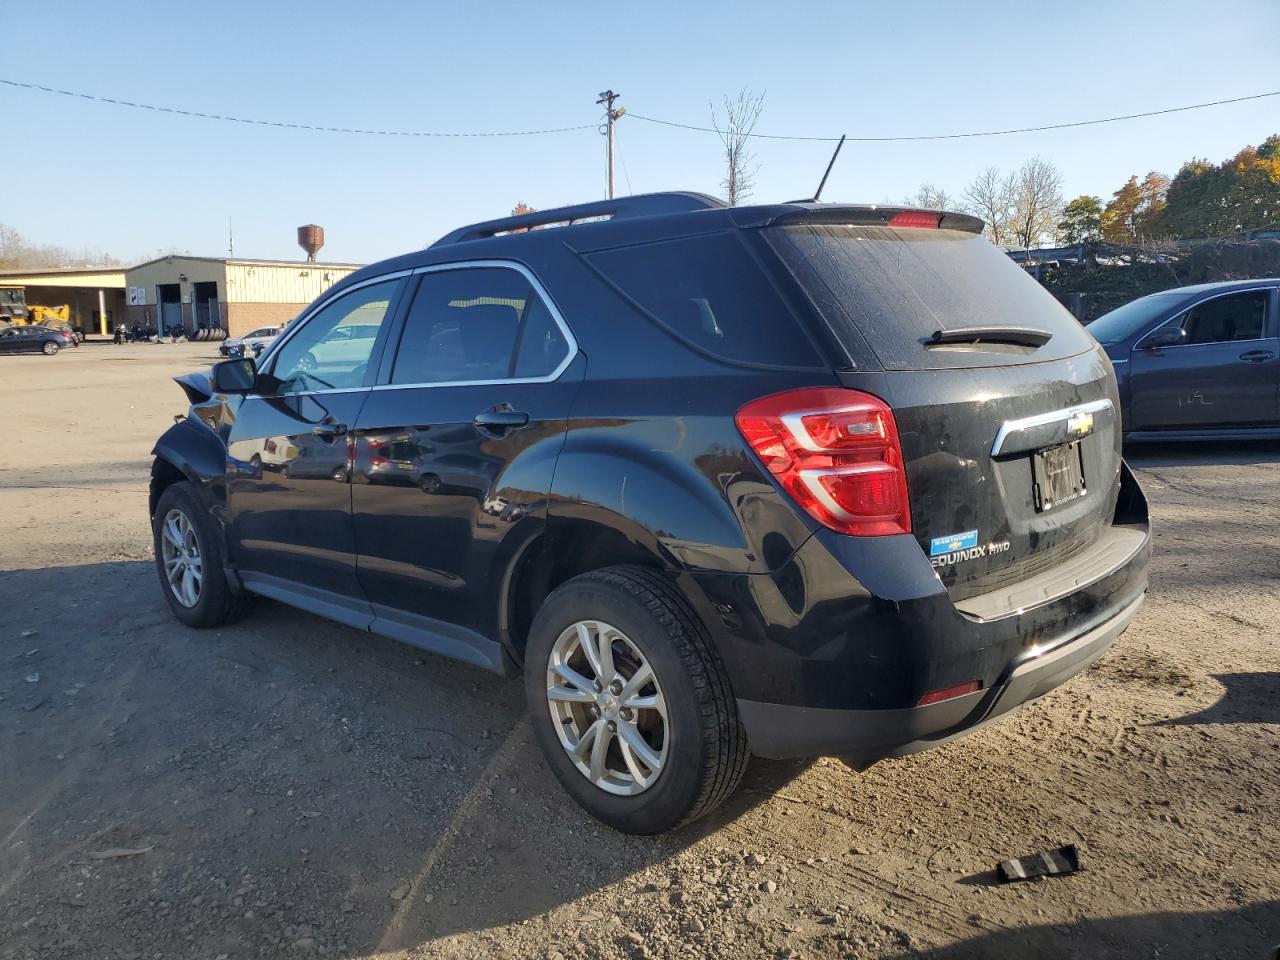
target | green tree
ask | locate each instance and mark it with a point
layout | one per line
(1135, 211)
(1195, 203)
(1253, 194)
(1214, 200)
(1081, 221)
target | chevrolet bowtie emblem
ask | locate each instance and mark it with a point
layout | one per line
(1080, 424)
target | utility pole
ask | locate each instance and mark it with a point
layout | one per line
(611, 117)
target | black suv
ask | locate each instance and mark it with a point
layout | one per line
(787, 480)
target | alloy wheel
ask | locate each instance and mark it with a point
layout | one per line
(607, 707)
(180, 553)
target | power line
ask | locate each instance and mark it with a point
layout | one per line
(587, 126)
(980, 133)
(286, 124)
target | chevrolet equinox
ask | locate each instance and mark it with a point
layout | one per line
(789, 480)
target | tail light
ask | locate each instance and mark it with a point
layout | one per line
(836, 452)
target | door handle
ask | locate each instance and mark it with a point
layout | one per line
(1257, 356)
(500, 421)
(329, 431)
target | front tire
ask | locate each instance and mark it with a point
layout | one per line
(630, 702)
(190, 563)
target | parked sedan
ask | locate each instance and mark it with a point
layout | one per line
(34, 339)
(250, 344)
(1198, 362)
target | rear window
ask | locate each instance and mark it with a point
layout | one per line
(711, 293)
(890, 290)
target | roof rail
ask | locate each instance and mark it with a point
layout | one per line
(641, 205)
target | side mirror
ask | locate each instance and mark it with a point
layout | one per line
(234, 376)
(1168, 337)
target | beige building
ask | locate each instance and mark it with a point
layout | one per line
(237, 295)
(95, 295)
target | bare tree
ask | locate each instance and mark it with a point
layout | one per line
(16, 252)
(990, 197)
(741, 114)
(929, 197)
(1037, 202)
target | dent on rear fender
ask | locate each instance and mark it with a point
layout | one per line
(703, 516)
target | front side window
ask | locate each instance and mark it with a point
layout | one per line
(332, 350)
(1240, 316)
(1124, 321)
(477, 324)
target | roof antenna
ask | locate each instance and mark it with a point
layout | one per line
(818, 192)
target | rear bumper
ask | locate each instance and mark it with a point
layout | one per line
(833, 652)
(779, 731)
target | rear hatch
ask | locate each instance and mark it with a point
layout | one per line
(1006, 410)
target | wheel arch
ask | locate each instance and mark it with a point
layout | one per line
(193, 453)
(565, 549)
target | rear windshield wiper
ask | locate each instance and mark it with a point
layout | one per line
(1008, 336)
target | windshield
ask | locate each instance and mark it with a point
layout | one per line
(1123, 322)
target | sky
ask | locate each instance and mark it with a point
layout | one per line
(135, 183)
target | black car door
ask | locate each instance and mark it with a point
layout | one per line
(11, 339)
(1223, 374)
(454, 453)
(288, 495)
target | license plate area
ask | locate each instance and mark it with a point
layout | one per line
(1057, 475)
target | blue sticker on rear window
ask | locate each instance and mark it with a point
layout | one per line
(953, 542)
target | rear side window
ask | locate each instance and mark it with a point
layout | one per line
(892, 288)
(709, 292)
(542, 344)
(477, 324)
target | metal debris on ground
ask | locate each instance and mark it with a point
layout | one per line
(1046, 863)
(116, 853)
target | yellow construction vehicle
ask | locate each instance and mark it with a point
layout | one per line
(49, 316)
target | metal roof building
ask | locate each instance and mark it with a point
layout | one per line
(237, 295)
(95, 295)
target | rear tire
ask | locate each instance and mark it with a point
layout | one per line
(49, 348)
(189, 561)
(696, 741)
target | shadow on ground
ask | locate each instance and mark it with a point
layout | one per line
(1169, 935)
(1248, 698)
(1202, 453)
(287, 778)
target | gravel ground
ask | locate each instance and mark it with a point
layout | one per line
(289, 787)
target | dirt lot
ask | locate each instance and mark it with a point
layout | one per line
(291, 787)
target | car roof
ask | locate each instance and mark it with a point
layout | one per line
(634, 219)
(1220, 286)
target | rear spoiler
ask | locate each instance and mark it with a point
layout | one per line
(805, 212)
